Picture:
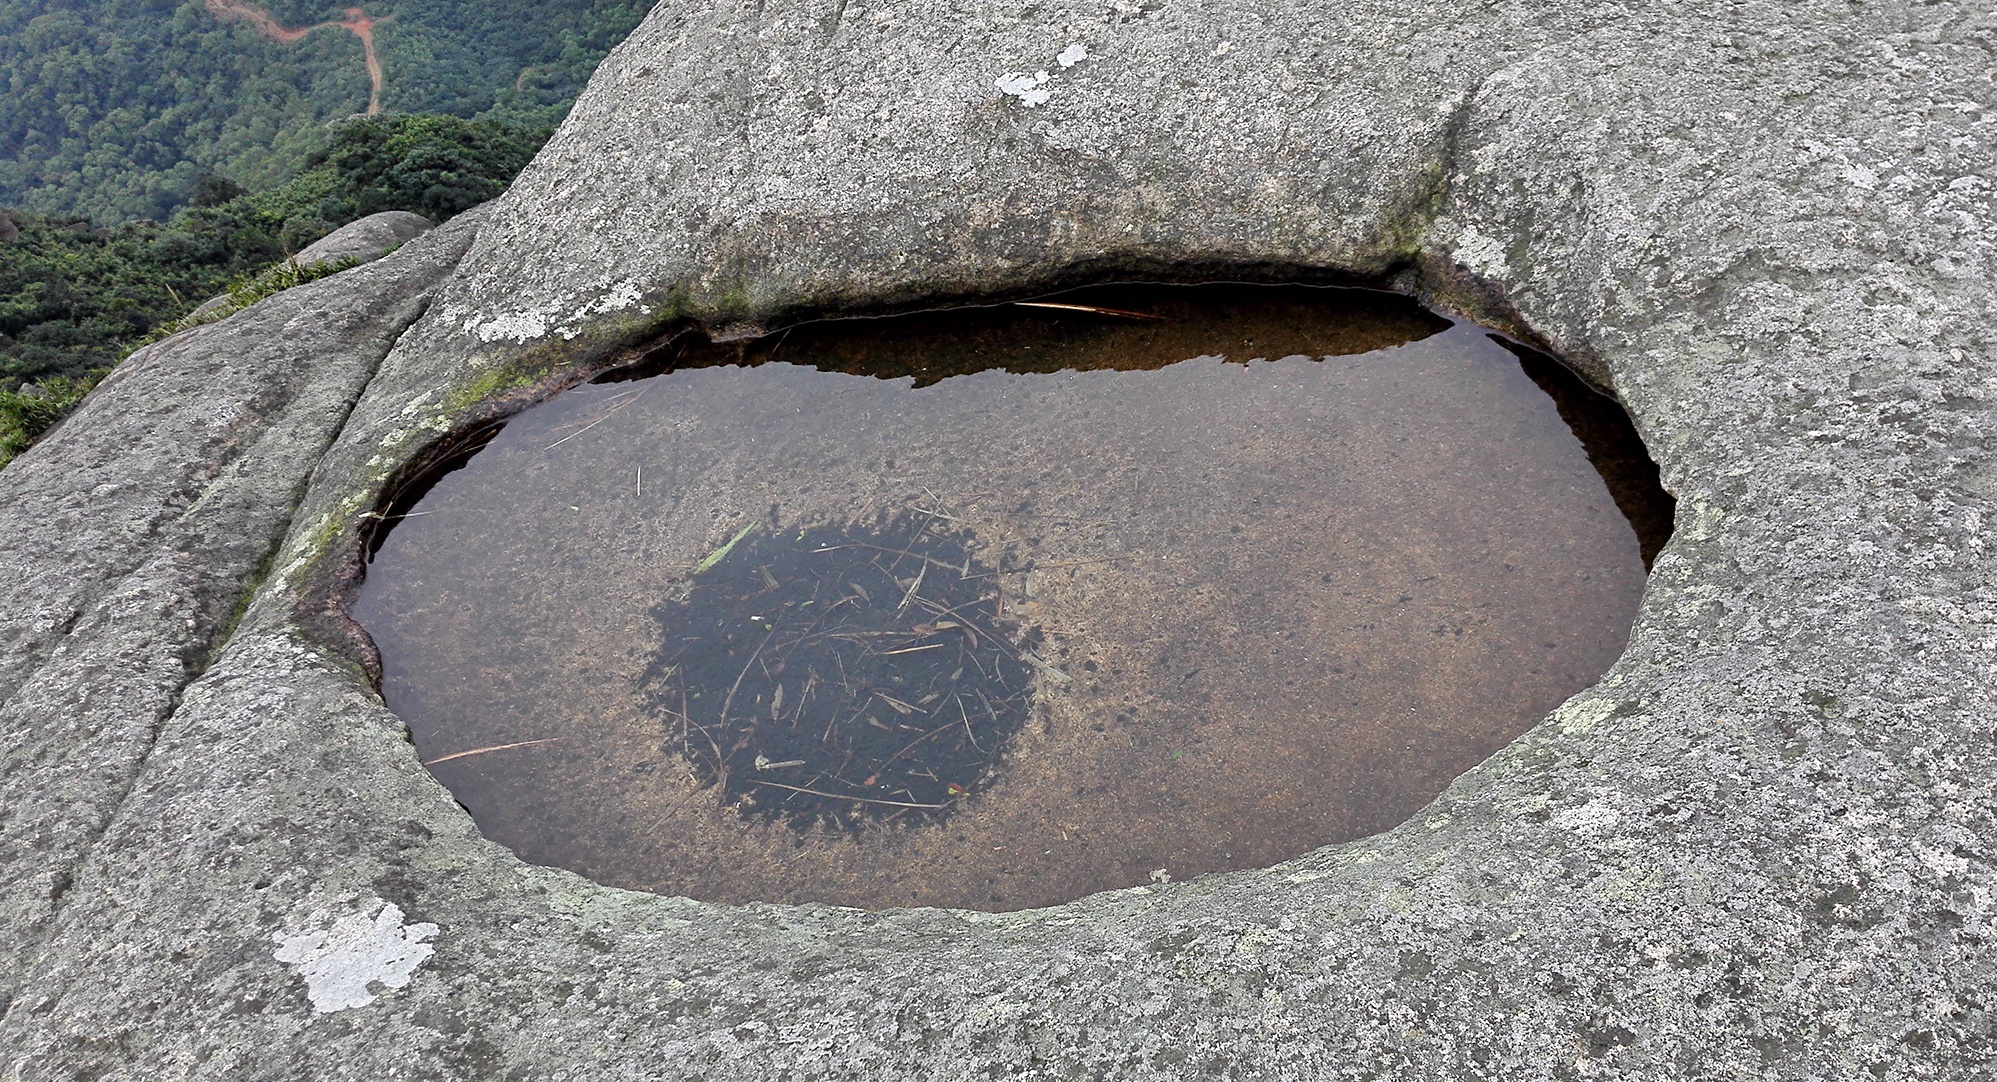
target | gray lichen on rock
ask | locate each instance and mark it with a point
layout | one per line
(1760, 847)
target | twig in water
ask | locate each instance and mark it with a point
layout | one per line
(911, 744)
(730, 700)
(1090, 308)
(962, 713)
(912, 588)
(913, 649)
(843, 796)
(493, 747)
(720, 761)
(906, 549)
(892, 552)
(900, 707)
(606, 416)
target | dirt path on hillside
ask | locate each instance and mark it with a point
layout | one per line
(357, 23)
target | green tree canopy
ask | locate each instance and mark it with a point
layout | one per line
(74, 296)
(433, 165)
(117, 109)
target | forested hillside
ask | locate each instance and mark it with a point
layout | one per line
(115, 109)
(75, 297)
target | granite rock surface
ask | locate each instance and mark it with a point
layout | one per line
(134, 534)
(1761, 847)
(366, 238)
(360, 241)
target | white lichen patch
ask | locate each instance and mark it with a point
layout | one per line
(1483, 255)
(340, 964)
(540, 320)
(1026, 87)
(1031, 87)
(519, 326)
(1580, 715)
(1531, 804)
(1594, 819)
(997, 1010)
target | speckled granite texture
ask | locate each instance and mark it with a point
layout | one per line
(1760, 848)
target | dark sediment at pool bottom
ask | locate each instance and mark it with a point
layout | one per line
(799, 694)
(1273, 564)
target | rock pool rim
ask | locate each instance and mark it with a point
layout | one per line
(657, 351)
(1381, 341)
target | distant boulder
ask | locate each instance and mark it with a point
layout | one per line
(361, 240)
(366, 238)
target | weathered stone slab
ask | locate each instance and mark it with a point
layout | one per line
(1761, 847)
(131, 535)
(360, 240)
(365, 238)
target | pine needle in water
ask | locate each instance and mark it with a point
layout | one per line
(489, 748)
(1089, 308)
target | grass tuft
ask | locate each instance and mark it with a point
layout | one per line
(246, 291)
(32, 409)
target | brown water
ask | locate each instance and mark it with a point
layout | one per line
(1267, 574)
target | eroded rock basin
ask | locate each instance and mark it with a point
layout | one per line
(995, 608)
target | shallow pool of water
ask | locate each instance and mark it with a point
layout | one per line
(1057, 599)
